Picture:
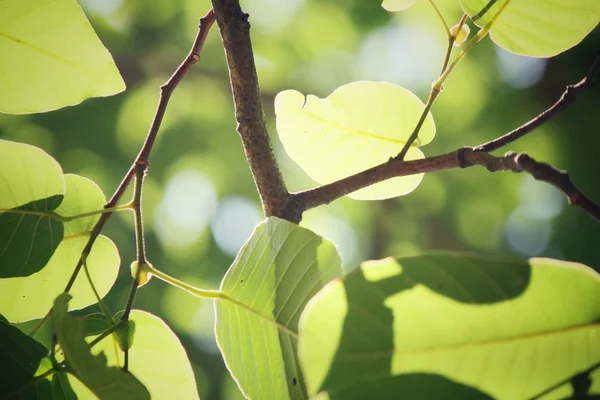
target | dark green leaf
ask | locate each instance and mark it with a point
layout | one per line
(20, 360)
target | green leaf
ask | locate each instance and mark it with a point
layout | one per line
(276, 272)
(31, 182)
(397, 5)
(105, 382)
(23, 299)
(156, 358)
(538, 28)
(466, 326)
(52, 57)
(360, 125)
(20, 360)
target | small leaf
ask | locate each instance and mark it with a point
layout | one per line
(360, 125)
(39, 71)
(276, 272)
(105, 382)
(124, 334)
(467, 326)
(156, 358)
(537, 28)
(397, 5)
(23, 299)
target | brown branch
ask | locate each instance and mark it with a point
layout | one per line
(462, 158)
(143, 156)
(566, 99)
(251, 126)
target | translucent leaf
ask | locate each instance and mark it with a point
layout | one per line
(23, 299)
(156, 358)
(276, 272)
(537, 28)
(397, 5)
(453, 327)
(360, 125)
(105, 382)
(30, 181)
(52, 57)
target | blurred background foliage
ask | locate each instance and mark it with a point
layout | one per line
(200, 204)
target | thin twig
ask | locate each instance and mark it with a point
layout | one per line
(566, 99)
(143, 156)
(441, 17)
(251, 126)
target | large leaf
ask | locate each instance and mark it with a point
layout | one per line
(23, 299)
(276, 272)
(157, 359)
(51, 57)
(538, 28)
(453, 327)
(104, 381)
(360, 125)
(31, 187)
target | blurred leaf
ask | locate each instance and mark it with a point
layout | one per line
(156, 358)
(397, 5)
(32, 181)
(360, 125)
(453, 327)
(105, 382)
(52, 57)
(276, 272)
(95, 324)
(537, 28)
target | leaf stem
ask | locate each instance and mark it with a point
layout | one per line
(103, 306)
(474, 40)
(126, 206)
(194, 291)
(60, 218)
(439, 14)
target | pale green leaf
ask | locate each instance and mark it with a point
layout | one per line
(397, 5)
(31, 188)
(24, 299)
(105, 382)
(276, 272)
(156, 358)
(27, 174)
(83, 195)
(360, 125)
(51, 57)
(453, 327)
(538, 28)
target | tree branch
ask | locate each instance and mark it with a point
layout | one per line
(251, 126)
(463, 158)
(566, 99)
(143, 156)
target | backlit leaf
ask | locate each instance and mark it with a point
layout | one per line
(360, 125)
(537, 28)
(276, 272)
(51, 57)
(453, 327)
